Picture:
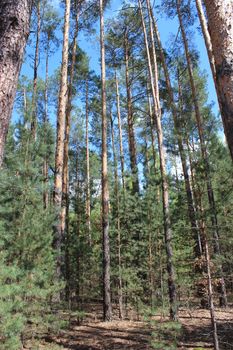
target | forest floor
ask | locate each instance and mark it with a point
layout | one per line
(131, 334)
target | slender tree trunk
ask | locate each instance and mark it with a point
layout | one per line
(45, 163)
(191, 210)
(107, 305)
(206, 36)
(61, 124)
(205, 245)
(220, 19)
(120, 132)
(199, 121)
(35, 73)
(14, 30)
(131, 135)
(152, 131)
(116, 190)
(165, 194)
(88, 194)
(65, 179)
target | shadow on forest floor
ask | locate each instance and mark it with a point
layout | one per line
(136, 335)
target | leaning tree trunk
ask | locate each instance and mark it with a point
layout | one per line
(206, 35)
(107, 305)
(14, 31)
(191, 209)
(61, 122)
(220, 19)
(204, 153)
(165, 194)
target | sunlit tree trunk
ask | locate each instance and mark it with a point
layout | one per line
(131, 134)
(45, 121)
(165, 194)
(152, 131)
(107, 305)
(220, 19)
(120, 132)
(65, 180)
(206, 35)
(116, 191)
(35, 74)
(205, 246)
(191, 211)
(205, 158)
(60, 141)
(88, 193)
(14, 31)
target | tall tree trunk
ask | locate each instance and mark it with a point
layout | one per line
(120, 132)
(61, 124)
(205, 158)
(45, 162)
(88, 194)
(152, 131)
(65, 176)
(107, 305)
(206, 36)
(205, 245)
(14, 30)
(131, 135)
(165, 194)
(35, 73)
(191, 210)
(116, 190)
(220, 19)
(65, 180)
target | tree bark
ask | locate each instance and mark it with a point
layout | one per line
(204, 154)
(88, 194)
(14, 30)
(191, 210)
(107, 305)
(220, 19)
(131, 135)
(35, 73)
(206, 36)
(165, 194)
(65, 176)
(120, 133)
(45, 163)
(116, 190)
(61, 122)
(152, 130)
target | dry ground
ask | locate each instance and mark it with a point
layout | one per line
(93, 334)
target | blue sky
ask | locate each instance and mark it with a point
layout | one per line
(91, 46)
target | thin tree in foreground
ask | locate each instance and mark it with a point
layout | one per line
(120, 132)
(14, 32)
(107, 306)
(220, 19)
(165, 194)
(35, 72)
(204, 153)
(59, 156)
